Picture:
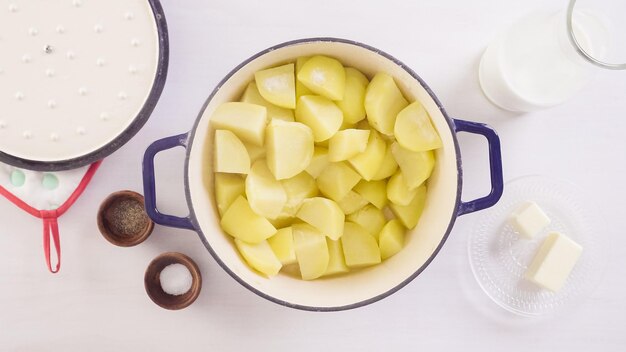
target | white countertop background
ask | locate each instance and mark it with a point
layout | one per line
(98, 303)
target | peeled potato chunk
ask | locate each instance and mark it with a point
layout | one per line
(245, 120)
(282, 221)
(398, 191)
(229, 154)
(388, 166)
(383, 102)
(336, 261)
(289, 148)
(320, 114)
(374, 192)
(346, 144)
(352, 202)
(251, 95)
(410, 214)
(260, 257)
(369, 162)
(227, 188)
(414, 129)
(391, 239)
(337, 180)
(242, 223)
(319, 161)
(311, 251)
(267, 196)
(416, 166)
(371, 218)
(301, 89)
(359, 247)
(255, 152)
(353, 100)
(323, 214)
(324, 76)
(278, 85)
(298, 188)
(282, 245)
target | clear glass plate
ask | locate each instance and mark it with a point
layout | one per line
(499, 257)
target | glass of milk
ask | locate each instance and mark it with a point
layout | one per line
(546, 57)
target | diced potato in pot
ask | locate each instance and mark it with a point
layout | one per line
(370, 218)
(298, 188)
(416, 166)
(324, 76)
(391, 238)
(259, 256)
(320, 114)
(352, 202)
(267, 196)
(289, 148)
(336, 261)
(301, 89)
(369, 162)
(383, 102)
(229, 154)
(353, 100)
(398, 191)
(337, 180)
(319, 162)
(359, 247)
(255, 152)
(242, 223)
(245, 120)
(414, 129)
(282, 245)
(227, 188)
(374, 191)
(323, 214)
(388, 167)
(346, 144)
(278, 85)
(311, 251)
(251, 95)
(410, 214)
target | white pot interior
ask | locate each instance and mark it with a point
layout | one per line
(357, 286)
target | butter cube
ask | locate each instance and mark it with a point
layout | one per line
(554, 261)
(529, 219)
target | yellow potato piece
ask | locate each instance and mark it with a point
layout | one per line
(255, 152)
(266, 196)
(227, 188)
(337, 180)
(282, 245)
(301, 89)
(352, 202)
(383, 102)
(260, 257)
(320, 114)
(391, 239)
(282, 220)
(359, 247)
(251, 95)
(324, 76)
(278, 85)
(245, 120)
(374, 192)
(289, 148)
(336, 261)
(410, 214)
(229, 154)
(319, 161)
(298, 188)
(369, 162)
(416, 166)
(323, 214)
(414, 129)
(398, 191)
(388, 167)
(371, 218)
(311, 251)
(242, 223)
(346, 144)
(353, 102)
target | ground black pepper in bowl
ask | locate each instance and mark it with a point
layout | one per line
(122, 219)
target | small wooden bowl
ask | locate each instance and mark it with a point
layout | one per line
(153, 287)
(108, 213)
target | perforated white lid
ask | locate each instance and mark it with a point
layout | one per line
(74, 74)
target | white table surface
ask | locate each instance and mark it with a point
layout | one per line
(98, 302)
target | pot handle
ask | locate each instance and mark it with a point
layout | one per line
(495, 165)
(149, 184)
